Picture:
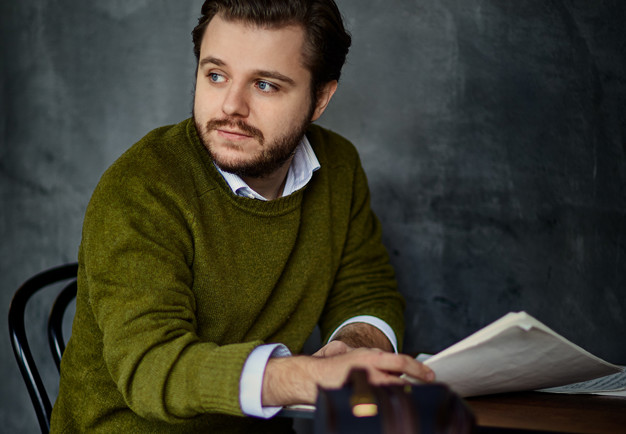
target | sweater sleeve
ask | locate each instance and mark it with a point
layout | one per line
(365, 282)
(136, 258)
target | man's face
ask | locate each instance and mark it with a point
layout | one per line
(252, 98)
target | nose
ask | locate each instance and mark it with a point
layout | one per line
(236, 102)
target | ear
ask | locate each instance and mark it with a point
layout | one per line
(323, 98)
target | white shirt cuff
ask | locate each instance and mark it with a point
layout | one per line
(376, 322)
(251, 382)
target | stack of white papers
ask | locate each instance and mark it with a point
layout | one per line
(517, 353)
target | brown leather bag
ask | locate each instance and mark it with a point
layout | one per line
(361, 408)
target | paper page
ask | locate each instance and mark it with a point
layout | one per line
(512, 319)
(516, 359)
(609, 385)
(615, 393)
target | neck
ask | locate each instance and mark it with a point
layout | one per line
(271, 186)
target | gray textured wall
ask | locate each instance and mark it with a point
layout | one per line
(493, 133)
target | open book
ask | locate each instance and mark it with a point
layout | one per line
(517, 353)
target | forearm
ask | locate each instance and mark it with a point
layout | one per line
(358, 335)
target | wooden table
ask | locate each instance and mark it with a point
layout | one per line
(551, 412)
(528, 412)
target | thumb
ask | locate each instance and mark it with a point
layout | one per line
(333, 348)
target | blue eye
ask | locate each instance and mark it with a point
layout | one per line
(267, 87)
(216, 78)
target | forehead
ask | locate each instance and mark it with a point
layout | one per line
(245, 46)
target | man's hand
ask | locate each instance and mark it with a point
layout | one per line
(333, 348)
(361, 335)
(355, 335)
(294, 380)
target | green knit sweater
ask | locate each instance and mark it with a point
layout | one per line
(179, 280)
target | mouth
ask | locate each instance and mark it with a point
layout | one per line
(233, 130)
(232, 134)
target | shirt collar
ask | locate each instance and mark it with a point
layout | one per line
(300, 172)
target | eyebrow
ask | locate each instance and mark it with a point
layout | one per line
(275, 75)
(213, 60)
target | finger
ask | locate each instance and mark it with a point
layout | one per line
(379, 378)
(333, 348)
(403, 364)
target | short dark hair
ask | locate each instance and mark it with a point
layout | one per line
(326, 42)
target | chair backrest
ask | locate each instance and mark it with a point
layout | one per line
(19, 341)
(55, 321)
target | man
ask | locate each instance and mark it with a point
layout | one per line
(212, 248)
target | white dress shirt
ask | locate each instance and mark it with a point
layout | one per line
(303, 165)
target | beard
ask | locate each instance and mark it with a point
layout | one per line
(272, 156)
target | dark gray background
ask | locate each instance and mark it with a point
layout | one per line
(493, 133)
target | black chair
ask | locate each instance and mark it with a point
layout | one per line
(17, 330)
